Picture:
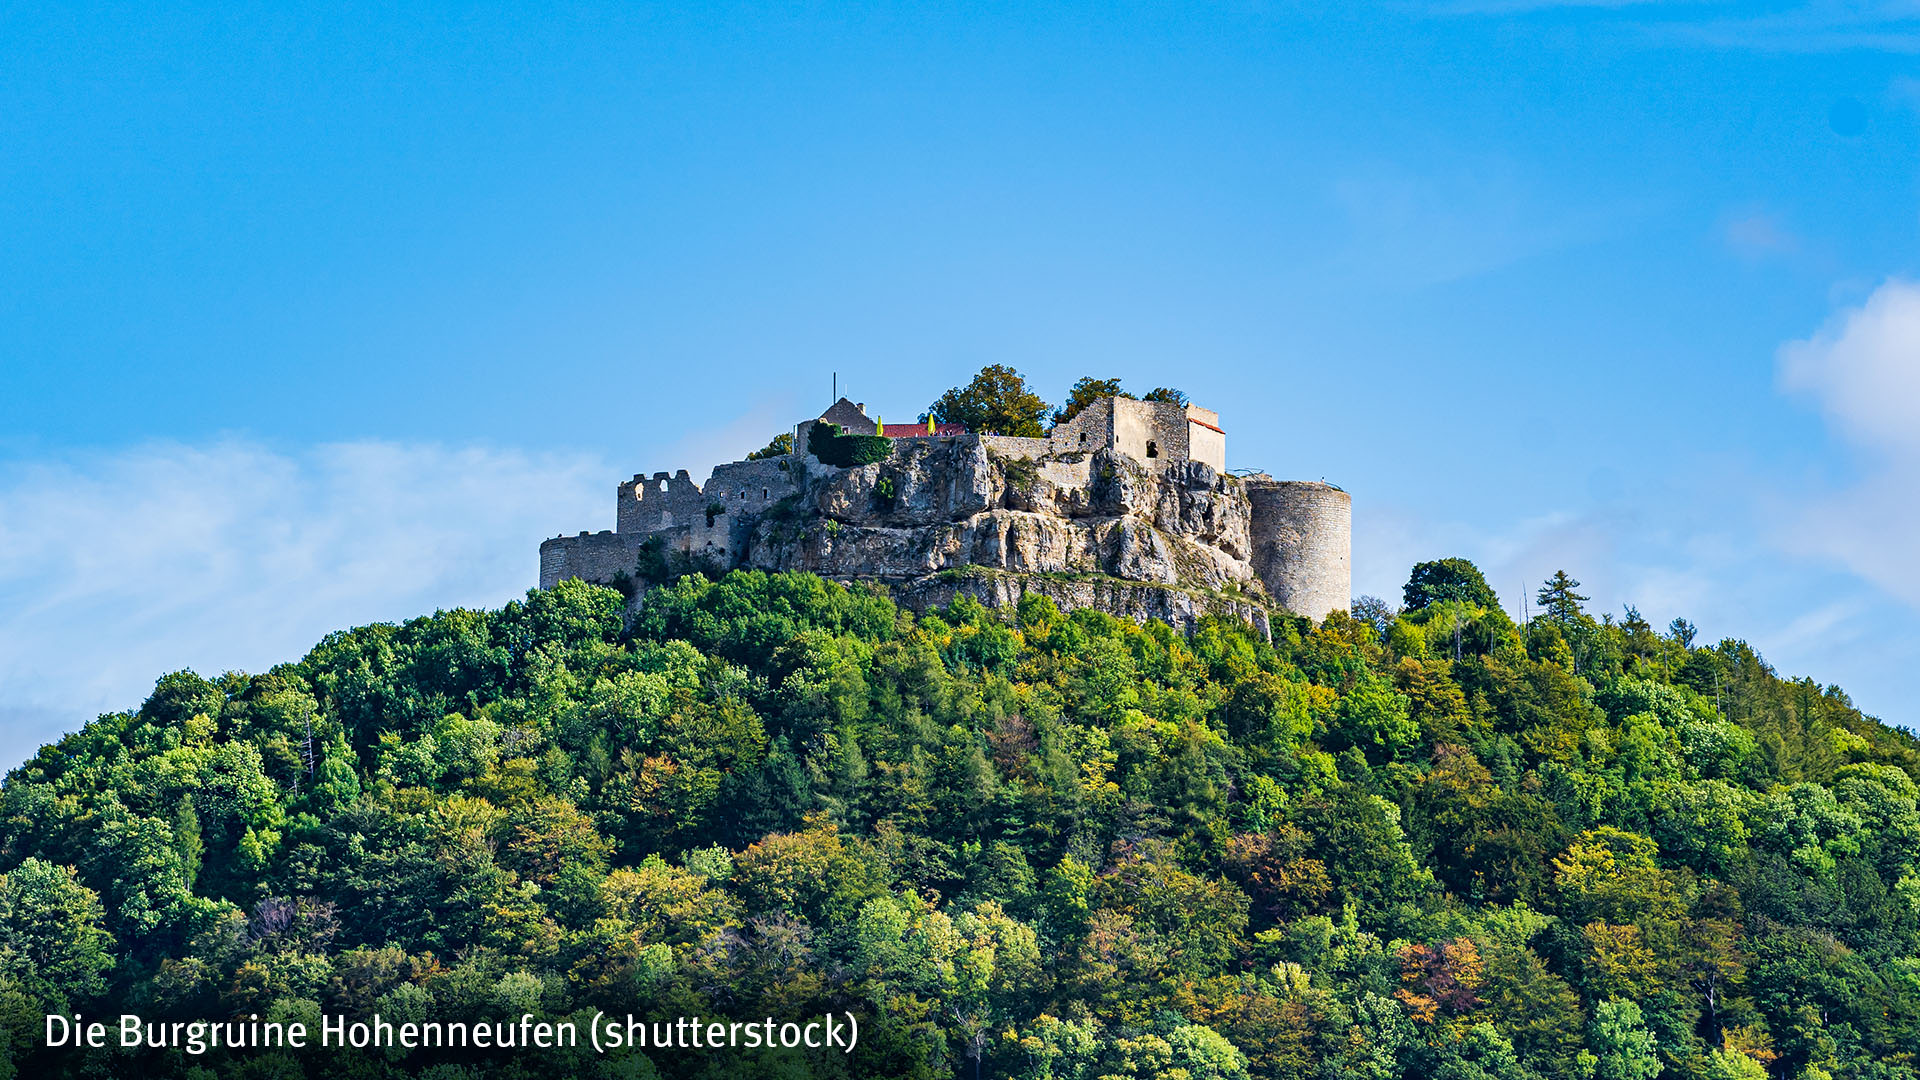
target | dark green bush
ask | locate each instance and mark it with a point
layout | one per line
(837, 448)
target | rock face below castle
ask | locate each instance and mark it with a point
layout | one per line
(1168, 538)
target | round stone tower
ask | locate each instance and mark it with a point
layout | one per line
(1303, 544)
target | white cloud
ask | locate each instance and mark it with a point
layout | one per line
(116, 568)
(1417, 228)
(1864, 366)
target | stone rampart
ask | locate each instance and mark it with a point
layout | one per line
(595, 557)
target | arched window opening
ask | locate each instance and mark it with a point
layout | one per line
(1152, 450)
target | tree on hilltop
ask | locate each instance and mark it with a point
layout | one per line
(1558, 599)
(996, 402)
(1448, 579)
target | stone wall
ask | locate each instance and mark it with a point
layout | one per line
(1015, 446)
(1303, 544)
(1090, 429)
(595, 557)
(651, 503)
(1138, 433)
(1205, 441)
(710, 518)
(751, 487)
(1156, 434)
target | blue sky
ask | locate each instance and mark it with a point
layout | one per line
(311, 320)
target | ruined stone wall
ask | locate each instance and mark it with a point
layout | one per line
(1157, 434)
(651, 503)
(1090, 429)
(1303, 544)
(1134, 427)
(1154, 433)
(745, 487)
(1015, 446)
(595, 557)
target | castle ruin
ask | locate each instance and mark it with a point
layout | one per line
(1127, 506)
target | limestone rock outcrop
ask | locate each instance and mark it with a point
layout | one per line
(940, 506)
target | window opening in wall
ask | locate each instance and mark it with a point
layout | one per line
(1152, 450)
(763, 494)
(1083, 438)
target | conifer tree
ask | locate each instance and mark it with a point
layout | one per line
(1559, 600)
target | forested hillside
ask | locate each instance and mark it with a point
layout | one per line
(1407, 843)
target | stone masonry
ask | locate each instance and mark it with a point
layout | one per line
(1126, 507)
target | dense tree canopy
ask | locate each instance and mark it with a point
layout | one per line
(1019, 844)
(996, 402)
(1448, 579)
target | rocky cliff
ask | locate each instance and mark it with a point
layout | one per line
(943, 517)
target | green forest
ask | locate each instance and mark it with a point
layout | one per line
(1418, 840)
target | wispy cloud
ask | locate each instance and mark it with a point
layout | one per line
(118, 567)
(1819, 26)
(1711, 549)
(1425, 227)
(1512, 7)
(1755, 233)
(1797, 26)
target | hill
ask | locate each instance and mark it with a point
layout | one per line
(1424, 843)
